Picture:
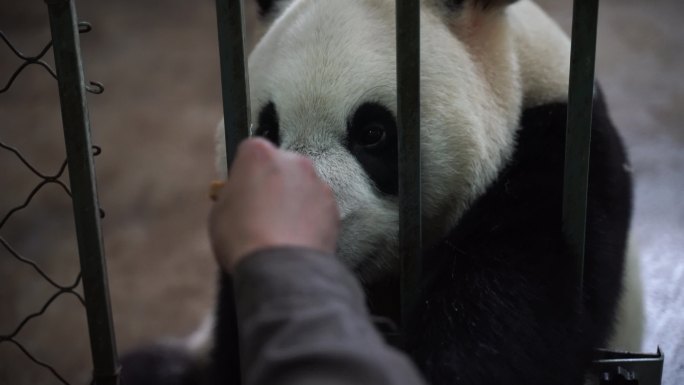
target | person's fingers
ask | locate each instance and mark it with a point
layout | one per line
(305, 164)
(254, 156)
(253, 152)
(272, 198)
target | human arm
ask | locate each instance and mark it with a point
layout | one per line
(303, 320)
(301, 314)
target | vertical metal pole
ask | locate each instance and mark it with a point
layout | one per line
(236, 116)
(234, 80)
(72, 94)
(578, 134)
(408, 114)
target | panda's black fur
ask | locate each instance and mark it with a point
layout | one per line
(499, 302)
(499, 305)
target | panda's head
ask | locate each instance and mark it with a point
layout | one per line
(322, 79)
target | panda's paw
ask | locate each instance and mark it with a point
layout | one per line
(162, 365)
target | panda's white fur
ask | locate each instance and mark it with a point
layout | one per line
(629, 328)
(470, 100)
(319, 60)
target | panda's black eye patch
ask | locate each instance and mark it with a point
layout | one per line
(268, 126)
(372, 139)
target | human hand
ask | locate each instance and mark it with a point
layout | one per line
(272, 198)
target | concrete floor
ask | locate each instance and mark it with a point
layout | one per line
(155, 123)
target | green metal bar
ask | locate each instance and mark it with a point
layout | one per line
(236, 122)
(408, 122)
(72, 95)
(578, 134)
(234, 80)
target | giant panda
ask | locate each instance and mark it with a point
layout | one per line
(499, 303)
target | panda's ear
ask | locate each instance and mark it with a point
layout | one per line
(493, 3)
(268, 10)
(454, 5)
(264, 7)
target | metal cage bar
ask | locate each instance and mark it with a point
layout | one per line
(578, 132)
(234, 80)
(608, 366)
(236, 113)
(76, 124)
(408, 123)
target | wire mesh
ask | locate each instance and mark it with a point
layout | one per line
(44, 179)
(83, 27)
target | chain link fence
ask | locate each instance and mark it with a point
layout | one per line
(80, 189)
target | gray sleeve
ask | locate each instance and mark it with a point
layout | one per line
(303, 320)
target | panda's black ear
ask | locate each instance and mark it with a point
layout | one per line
(492, 3)
(482, 4)
(268, 8)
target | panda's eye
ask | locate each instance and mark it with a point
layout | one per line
(371, 135)
(372, 140)
(371, 127)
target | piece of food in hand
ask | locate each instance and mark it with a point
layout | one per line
(215, 189)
